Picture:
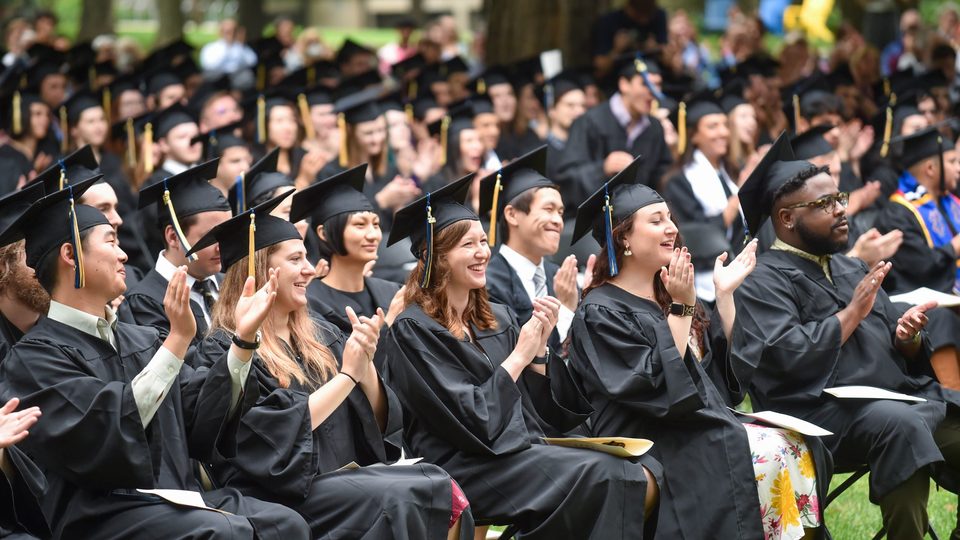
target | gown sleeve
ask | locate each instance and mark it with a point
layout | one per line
(638, 367)
(20, 495)
(476, 416)
(557, 398)
(144, 311)
(718, 363)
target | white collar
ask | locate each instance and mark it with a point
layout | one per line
(166, 269)
(81, 320)
(524, 267)
(705, 181)
(173, 166)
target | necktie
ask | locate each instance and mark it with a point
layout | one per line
(205, 289)
(539, 283)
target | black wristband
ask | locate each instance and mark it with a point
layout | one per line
(349, 376)
(247, 345)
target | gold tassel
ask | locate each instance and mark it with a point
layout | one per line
(252, 246)
(148, 148)
(64, 131)
(796, 113)
(131, 144)
(886, 87)
(63, 178)
(168, 202)
(107, 104)
(311, 75)
(79, 276)
(682, 128)
(17, 114)
(412, 90)
(261, 77)
(261, 119)
(408, 108)
(444, 128)
(305, 114)
(481, 86)
(497, 188)
(654, 105)
(344, 157)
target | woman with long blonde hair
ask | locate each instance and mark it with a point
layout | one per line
(320, 406)
(480, 392)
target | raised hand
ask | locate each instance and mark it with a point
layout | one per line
(547, 309)
(872, 247)
(254, 305)
(913, 321)
(321, 269)
(727, 278)
(14, 425)
(588, 271)
(865, 294)
(176, 305)
(678, 278)
(565, 283)
(360, 347)
(397, 305)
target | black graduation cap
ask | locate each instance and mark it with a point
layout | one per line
(169, 54)
(423, 104)
(217, 140)
(553, 90)
(40, 70)
(349, 49)
(922, 145)
(610, 205)
(453, 66)
(160, 80)
(340, 194)
(77, 103)
(16, 111)
(393, 101)
(357, 83)
(257, 182)
(248, 232)
(811, 143)
(54, 220)
(691, 111)
(492, 76)
(183, 195)
(354, 109)
(207, 89)
(170, 118)
(841, 76)
(76, 167)
(318, 95)
(480, 104)
(777, 167)
(732, 95)
(14, 205)
(422, 219)
(522, 174)
(311, 75)
(405, 67)
(632, 64)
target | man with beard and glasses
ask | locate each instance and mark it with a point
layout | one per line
(811, 319)
(22, 299)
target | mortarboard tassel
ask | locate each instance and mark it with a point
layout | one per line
(548, 96)
(148, 147)
(412, 90)
(131, 143)
(261, 119)
(444, 128)
(654, 106)
(92, 78)
(796, 112)
(428, 263)
(64, 131)
(682, 128)
(408, 108)
(497, 188)
(17, 114)
(481, 86)
(241, 189)
(886, 87)
(641, 68)
(252, 246)
(261, 77)
(344, 157)
(305, 115)
(888, 127)
(608, 231)
(311, 75)
(79, 279)
(107, 99)
(63, 175)
(168, 202)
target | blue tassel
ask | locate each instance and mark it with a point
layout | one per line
(241, 196)
(608, 229)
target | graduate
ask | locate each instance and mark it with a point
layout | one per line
(702, 194)
(461, 146)
(479, 392)
(322, 404)
(526, 216)
(810, 318)
(258, 184)
(22, 299)
(278, 128)
(122, 387)
(188, 207)
(348, 233)
(22, 484)
(26, 121)
(607, 137)
(233, 151)
(564, 99)
(654, 364)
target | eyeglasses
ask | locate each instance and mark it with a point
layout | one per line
(825, 203)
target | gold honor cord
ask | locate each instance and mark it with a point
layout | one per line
(305, 115)
(497, 187)
(252, 246)
(682, 128)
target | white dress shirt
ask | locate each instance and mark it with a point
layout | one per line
(525, 269)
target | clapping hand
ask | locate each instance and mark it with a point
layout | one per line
(727, 278)
(14, 425)
(565, 283)
(913, 321)
(678, 278)
(254, 305)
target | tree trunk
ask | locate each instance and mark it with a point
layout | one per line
(517, 30)
(170, 18)
(250, 15)
(96, 18)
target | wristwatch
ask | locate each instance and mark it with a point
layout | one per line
(540, 360)
(682, 310)
(248, 345)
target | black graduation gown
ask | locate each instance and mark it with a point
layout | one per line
(624, 354)
(512, 145)
(595, 135)
(95, 450)
(786, 347)
(22, 516)
(282, 459)
(143, 304)
(9, 334)
(13, 165)
(504, 287)
(464, 413)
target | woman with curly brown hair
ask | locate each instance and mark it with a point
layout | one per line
(654, 365)
(480, 392)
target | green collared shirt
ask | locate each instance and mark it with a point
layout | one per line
(823, 261)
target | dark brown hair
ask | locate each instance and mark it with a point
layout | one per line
(433, 300)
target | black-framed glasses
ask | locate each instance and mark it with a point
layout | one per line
(826, 203)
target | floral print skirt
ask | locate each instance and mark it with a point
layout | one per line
(786, 482)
